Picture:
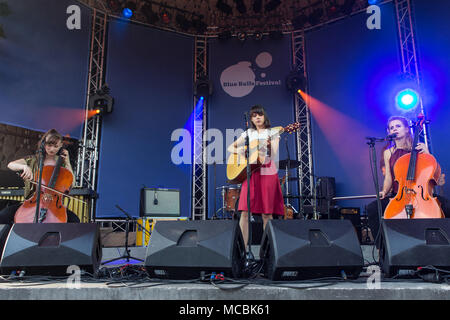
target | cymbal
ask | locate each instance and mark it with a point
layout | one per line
(290, 164)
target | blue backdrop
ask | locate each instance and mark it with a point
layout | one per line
(44, 66)
(245, 74)
(433, 38)
(149, 73)
(351, 71)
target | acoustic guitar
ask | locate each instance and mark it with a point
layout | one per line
(237, 163)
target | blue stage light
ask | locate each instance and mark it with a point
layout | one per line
(127, 13)
(407, 99)
(372, 2)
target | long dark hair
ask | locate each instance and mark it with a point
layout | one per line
(259, 110)
(54, 138)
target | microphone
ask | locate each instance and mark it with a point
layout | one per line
(391, 136)
(155, 198)
(246, 119)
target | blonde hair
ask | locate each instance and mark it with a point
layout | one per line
(405, 122)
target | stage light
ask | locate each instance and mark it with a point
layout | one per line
(114, 5)
(257, 6)
(225, 35)
(272, 5)
(127, 13)
(372, 2)
(165, 17)
(258, 35)
(242, 36)
(332, 10)
(295, 81)
(407, 99)
(128, 9)
(299, 21)
(101, 102)
(347, 7)
(225, 8)
(182, 22)
(240, 6)
(314, 17)
(199, 25)
(203, 88)
(276, 35)
(147, 11)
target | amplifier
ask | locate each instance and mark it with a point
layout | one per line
(159, 202)
(353, 214)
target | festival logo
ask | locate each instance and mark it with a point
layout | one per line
(240, 79)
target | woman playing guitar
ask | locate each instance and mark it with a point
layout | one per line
(401, 145)
(265, 191)
(30, 164)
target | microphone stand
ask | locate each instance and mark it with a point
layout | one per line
(214, 217)
(288, 166)
(127, 254)
(250, 256)
(371, 142)
(39, 185)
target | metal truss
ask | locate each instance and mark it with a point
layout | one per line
(86, 172)
(199, 170)
(410, 65)
(303, 135)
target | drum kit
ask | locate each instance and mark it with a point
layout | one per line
(230, 194)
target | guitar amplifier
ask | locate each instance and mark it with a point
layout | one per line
(159, 202)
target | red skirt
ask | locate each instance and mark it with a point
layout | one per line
(265, 192)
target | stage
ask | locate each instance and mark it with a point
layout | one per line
(133, 286)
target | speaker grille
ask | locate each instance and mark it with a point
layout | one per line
(305, 249)
(188, 249)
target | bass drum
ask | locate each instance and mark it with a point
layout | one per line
(231, 198)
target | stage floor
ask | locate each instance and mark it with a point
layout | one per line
(135, 288)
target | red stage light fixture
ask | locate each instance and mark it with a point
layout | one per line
(296, 82)
(101, 102)
(165, 17)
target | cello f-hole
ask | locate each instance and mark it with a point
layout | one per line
(401, 195)
(422, 194)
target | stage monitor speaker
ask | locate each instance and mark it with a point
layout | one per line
(49, 248)
(308, 249)
(4, 230)
(326, 190)
(190, 249)
(412, 243)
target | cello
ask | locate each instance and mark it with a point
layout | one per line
(416, 174)
(56, 182)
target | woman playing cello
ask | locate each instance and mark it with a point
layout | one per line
(401, 145)
(53, 142)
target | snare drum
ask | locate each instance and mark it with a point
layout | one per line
(231, 196)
